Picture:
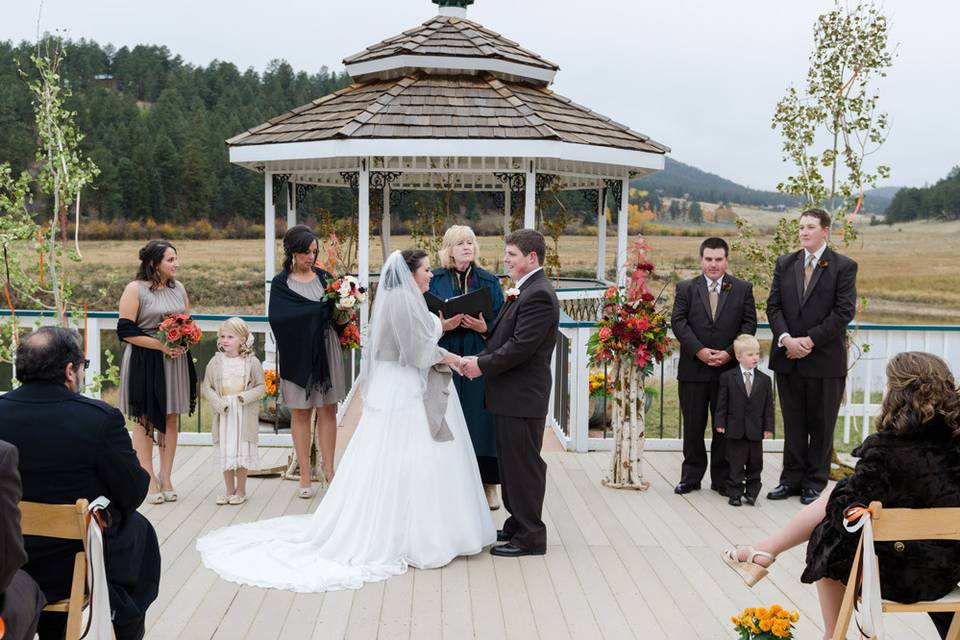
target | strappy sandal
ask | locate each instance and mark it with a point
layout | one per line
(750, 571)
(235, 499)
(154, 498)
(305, 492)
(222, 499)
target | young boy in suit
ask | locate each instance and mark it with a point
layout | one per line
(745, 416)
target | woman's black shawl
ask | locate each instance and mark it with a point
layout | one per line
(299, 325)
(146, 381)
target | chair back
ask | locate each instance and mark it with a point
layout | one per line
(890, 525)
(65, 521)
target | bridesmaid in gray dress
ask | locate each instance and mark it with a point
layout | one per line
(147, 301)
(300, 274)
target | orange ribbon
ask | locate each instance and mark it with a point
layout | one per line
(855, 511)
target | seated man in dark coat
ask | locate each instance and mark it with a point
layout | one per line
(20, 598)
(74, 447)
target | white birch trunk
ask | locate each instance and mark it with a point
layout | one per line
(629, 424)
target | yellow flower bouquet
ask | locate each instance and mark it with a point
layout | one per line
(765, 624)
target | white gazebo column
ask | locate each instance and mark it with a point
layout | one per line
(530, 199)
(291, 204)
(623, 222)
(601, 235)
(363, 242)
(385, 223)
(269, 236)
(507, 210)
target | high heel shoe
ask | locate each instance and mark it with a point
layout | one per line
(154, 498)
(168, 496)
(750, 571)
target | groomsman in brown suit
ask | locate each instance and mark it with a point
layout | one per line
(813, 297)
(709, 312)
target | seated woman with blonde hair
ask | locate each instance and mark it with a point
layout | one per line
(913, 461)
(465, 335)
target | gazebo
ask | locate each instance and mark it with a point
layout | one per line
(446, 105)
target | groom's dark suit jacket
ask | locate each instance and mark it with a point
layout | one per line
(516, 363)
(823, 313)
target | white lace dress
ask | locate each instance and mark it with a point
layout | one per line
(234, 451)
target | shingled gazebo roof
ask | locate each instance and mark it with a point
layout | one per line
(451, 36)
(424, 105)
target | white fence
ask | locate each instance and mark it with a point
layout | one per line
(872, 346)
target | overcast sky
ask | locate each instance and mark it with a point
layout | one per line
(700, 76)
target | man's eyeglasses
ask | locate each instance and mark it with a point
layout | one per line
(86, 364)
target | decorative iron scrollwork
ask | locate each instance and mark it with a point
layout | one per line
(352, 178)
(516, 182)
(546, 181)
(616, 188)
(279, 179)
(380, 179)
(302, 190)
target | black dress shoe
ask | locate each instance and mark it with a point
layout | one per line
(510, 551)
(502, 537)
(734, 501)
(782, 492)
(686, 487)
(750, 500)
(809, 495)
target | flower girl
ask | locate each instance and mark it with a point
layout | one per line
(233, 385)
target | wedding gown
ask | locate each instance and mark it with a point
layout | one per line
(399, 498)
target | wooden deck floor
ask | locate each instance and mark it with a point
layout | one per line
(620, 564)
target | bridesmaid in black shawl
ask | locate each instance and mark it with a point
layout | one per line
(309, 361)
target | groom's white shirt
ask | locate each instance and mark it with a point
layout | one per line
(527, 277)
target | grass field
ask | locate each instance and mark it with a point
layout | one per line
(908, 273)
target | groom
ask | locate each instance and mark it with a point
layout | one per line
(516, 365)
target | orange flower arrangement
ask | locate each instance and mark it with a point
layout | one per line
(270, 380)
(765, 624)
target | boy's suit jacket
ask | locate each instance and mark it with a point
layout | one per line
(745, 417)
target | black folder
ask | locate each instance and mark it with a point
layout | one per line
(473, 304)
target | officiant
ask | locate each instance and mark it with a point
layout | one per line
(465, 335)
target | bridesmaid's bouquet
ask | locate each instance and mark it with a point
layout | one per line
(179, 330)
(347, 295)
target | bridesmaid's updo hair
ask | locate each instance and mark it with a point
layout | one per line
(297, 239)
(151, 255)
(413, 257)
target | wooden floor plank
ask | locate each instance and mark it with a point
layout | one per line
(619, 564)
(397, 607)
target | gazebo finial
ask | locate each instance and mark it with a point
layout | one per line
(456, 8)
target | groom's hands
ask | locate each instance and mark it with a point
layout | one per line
(471, 368)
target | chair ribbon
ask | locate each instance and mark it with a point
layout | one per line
(99, 623)
(870, 618)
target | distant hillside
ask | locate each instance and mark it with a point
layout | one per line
(877, 200)
(938, 201)
(678, 179)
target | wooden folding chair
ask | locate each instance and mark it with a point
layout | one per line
(65, 521)
(894, 525)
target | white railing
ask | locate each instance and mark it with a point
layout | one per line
(872, 346)
(191, 428)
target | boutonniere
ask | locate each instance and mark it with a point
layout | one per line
(512, 294)
(823, 264)
(726, 286)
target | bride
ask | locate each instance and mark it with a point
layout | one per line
(407, 491)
